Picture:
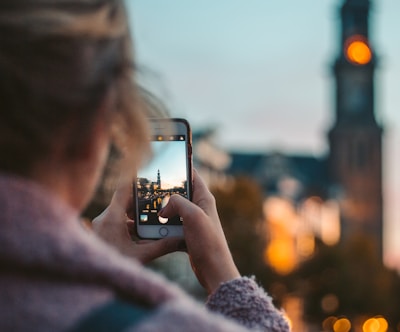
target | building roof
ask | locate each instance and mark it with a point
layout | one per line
(270, 169)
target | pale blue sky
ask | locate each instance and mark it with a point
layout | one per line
(260, 71)
(170, 159)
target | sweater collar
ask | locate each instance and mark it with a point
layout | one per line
(42, 235)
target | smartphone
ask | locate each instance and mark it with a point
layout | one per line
(169, 172)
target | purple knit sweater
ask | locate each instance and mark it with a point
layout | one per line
(53, 272)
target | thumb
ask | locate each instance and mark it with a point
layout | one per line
(180, 206)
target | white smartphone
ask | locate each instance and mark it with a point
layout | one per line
(169, 172)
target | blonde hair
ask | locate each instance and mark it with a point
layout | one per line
(59, 59)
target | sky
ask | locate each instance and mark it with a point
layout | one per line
(170, 159)
(259, 72)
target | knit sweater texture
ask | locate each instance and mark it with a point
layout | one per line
(54, 272)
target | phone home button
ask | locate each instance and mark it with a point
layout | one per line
(163, 231)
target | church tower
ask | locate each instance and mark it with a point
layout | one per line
(158, 179)
(355, 139)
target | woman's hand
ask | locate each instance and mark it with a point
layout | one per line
(114, 226)
(205, 240)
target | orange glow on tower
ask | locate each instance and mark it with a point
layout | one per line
(358, 51)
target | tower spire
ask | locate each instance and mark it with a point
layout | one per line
(355, 18)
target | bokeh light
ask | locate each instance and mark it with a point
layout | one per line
(330, 303)
(342, 325)
(377, 324)
(327, 324)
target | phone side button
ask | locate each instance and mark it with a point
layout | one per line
(163, 231)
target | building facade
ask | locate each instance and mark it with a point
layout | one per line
(346, 182)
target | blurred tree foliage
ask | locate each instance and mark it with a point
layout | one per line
(240, 207)
(348, 279)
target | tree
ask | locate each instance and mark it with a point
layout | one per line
(240, 205)
(348, 279)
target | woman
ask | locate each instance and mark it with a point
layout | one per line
(66, 96)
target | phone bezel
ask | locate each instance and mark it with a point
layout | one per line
(169, 126)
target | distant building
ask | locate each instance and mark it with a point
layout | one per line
(299, 203)
(210, 161)
(355, 140)
(332, 197)
(158, 179)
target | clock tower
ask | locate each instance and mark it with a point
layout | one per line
(355, 139)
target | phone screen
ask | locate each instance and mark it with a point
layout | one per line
(165, 175)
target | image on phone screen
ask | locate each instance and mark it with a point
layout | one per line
(163, 177)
